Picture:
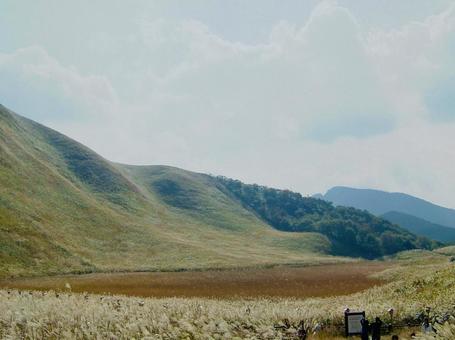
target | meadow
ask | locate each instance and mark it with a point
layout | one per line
(417, 282)
(279, 281)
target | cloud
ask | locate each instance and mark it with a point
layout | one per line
(313, 105)
(313, 82)
(417, 67)
(416, 159)
(34, 81)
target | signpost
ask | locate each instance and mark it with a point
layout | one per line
(352, 322)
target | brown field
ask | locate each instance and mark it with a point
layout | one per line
(315, 281)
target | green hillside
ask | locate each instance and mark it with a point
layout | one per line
(63, 208)
(352, 232)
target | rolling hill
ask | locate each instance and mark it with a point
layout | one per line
(421, 227)
(380, 202)
(63, 209)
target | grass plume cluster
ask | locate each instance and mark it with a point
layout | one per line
(417, 283)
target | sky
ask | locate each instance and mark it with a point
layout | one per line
(300, 95)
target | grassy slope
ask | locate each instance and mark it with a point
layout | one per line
(64, 209)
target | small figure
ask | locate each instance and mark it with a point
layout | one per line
(376, 329)
(426, 326)
(302, 332)
(365, 329)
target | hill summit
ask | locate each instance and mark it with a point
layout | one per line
(64, 208)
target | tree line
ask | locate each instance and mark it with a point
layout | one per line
(352, 232)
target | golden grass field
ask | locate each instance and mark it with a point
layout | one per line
(281, 281)
(415, 281)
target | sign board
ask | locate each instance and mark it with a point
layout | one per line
(352, 322)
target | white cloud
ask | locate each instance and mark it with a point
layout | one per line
(320, 104)
(417, 67)
(317, 79)
(34, 81)
(417, 159)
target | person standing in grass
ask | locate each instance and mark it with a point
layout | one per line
(376, 329)
(302, 331)
(365, 329)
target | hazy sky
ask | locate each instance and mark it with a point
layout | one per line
(299, 94)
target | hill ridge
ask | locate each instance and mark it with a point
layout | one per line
(380, 202)
(64, 208)
(421, 227)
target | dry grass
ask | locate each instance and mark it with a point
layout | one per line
(79, 316)
(303, 282)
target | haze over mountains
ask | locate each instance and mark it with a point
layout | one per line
(421, 227)
(63, 208)
(415, 214)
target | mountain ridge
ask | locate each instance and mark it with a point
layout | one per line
(64, 208)
(380, 202)
(421, 227)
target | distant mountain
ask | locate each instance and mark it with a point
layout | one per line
(421, 227)
(380, 202)
(64, 208)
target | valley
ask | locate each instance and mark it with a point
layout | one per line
(88, 246)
